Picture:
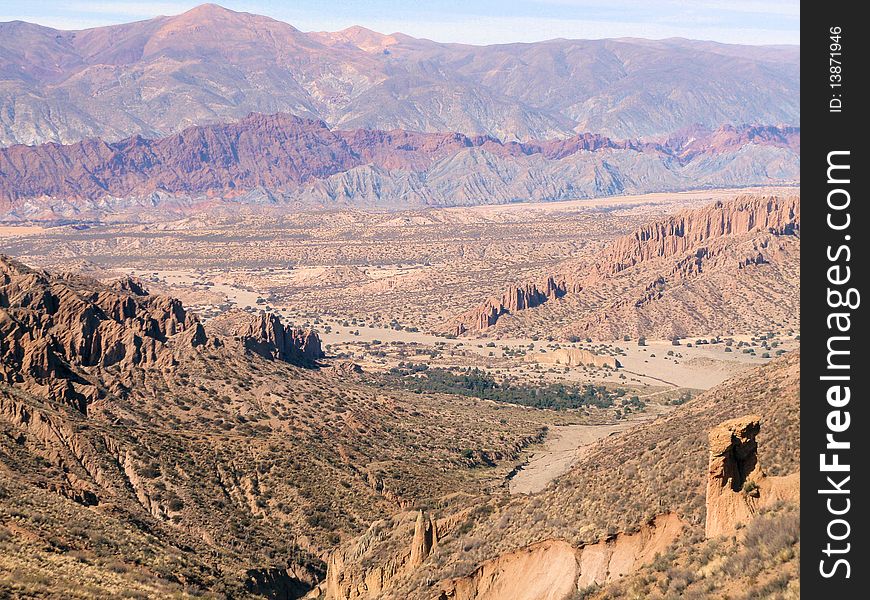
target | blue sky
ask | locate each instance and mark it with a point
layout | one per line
(469, 21)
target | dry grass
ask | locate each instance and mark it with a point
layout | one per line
(419, 267)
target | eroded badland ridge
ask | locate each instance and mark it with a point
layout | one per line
(208, 447)
(673, 277)
(113, 452)
(265, 461)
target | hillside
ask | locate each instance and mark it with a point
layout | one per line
(351, 315)
(168, 458)
(636, 501)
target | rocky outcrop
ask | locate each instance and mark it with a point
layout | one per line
(130, 285)
(677, 248)
(514, 299)
(688, 232)
(280, 583)
(424, 540)
(266, 336)
(345, 368)
(619, 555)
(353, 575)
(574, 357)
(56, 329)
(546, 570)
(737, 487)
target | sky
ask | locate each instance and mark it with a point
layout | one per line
(468, 21)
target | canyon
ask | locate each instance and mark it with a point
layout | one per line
(361, 316)
(108, 450)
(555, 565)
(143, 398)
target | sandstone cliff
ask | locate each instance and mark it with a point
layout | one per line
(347, 578)
(687, 233)
(546, 570)
(553, 569)
(574, 357)
(513, 299)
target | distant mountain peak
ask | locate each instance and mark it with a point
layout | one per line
(216, 16)
(359, 37)
(210, 9)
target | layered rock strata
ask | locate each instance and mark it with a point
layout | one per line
(574, 357)
(286, 157)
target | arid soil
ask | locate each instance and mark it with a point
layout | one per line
(292, 315)
(642, 537)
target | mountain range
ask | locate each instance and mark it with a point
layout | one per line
(295, 161)
(288, 412)
(210, 64)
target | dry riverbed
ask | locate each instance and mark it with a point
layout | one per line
(565, 445)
